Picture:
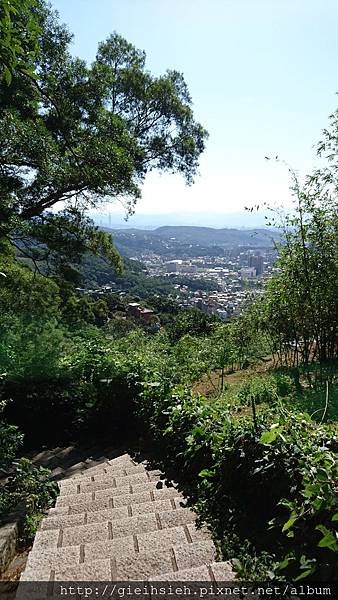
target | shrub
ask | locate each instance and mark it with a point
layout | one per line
(29, 486)
(258, 389)
(10, 441)
(266, 489)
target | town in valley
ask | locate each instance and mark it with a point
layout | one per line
(217, 271)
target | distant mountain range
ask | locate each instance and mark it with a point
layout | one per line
(239, 220)
(189, 240)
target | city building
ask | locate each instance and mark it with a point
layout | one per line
(179, 266)
(256, 262)
(248, 273)
(136, 310)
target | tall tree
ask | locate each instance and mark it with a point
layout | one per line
(300, 307)
(74, 136)
(19, 30)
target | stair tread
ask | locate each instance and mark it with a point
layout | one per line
(120, 520)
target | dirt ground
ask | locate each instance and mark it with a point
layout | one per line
(209, 385)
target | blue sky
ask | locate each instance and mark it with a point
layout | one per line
(262, 75)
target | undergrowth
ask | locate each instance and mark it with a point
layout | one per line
(266, 486)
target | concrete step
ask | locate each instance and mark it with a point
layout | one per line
(171, 517)
(104, 479)
(149, 568)
(115, 497)
(220, 571)
(119, 521)
(45, 457)
(144, 565)
(152, 506)
(125, 566)
(81, 528)
(123, 459)
(135, 509)
(84, 468)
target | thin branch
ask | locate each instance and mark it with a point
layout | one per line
(26, 255)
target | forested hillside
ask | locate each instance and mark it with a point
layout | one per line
(257, 454)
(190, 241)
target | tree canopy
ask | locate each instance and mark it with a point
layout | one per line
(19, 30)
(73, 136)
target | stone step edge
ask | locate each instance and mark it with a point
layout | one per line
(124, 517)
(92, 469)
(139, 524)
(100, 475)
(105, 477)
(159, 539)
(38, 559)
(82, 469)
(212, 572)
(177, 501)
(135, 494)
(60, 511)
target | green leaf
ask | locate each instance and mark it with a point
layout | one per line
(7, 76)
(237, 565)
(283, 564)
(269, 436)
(290, 522)
(329, 539)
(335, 517)
(206, 473)
(304, 574)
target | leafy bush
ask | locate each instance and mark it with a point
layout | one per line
(248, 480)
(192, 322)
(313, 505)
(267, 389)
(259, 477)
(30, 346)
(10, 441)
(31, 486)
(258, 389)
(264, 486)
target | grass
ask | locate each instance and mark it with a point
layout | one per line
(313, 390)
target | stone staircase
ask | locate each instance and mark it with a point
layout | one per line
(120, 521)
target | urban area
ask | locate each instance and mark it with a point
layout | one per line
(220, 282)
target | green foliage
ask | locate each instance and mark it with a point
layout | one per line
(310, 521)
(79, 310)
(33, 484)
(192, 322)
(95, 271)
(193, 356)
(100, 385)
(32, 487)
(49, 409)
(299, 310)
(26, 485)
(267, 493)
(260, 389)
(38, 297)
(30, 347)
(81, 135)
(246, 339)
(10, 441)
(19, 30)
